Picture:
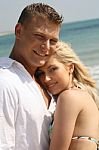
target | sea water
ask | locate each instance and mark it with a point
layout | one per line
(84, 38)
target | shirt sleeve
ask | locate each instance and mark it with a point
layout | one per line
(7, 117)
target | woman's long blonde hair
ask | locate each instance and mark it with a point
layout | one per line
(81, 76)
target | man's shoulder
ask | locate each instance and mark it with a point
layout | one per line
(5, 62)
(5, 74)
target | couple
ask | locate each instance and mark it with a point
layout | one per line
(26, 108)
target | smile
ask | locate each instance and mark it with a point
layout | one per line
(42, 55)
(51, 85)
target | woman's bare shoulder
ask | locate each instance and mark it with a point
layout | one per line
(73, 98)
(73, 94)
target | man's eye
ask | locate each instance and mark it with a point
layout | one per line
(53, 42)
(39, 36)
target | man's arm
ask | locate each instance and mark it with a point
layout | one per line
(7, 117)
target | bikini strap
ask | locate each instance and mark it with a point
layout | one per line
(86, 137)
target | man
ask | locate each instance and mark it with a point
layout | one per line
(25, 110)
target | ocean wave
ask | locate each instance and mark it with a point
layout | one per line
(6, 33)
(94, 71)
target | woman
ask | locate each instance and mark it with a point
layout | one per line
(76, 118)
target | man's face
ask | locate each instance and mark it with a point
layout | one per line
(37, 40)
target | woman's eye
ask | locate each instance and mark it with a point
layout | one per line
(52, 69)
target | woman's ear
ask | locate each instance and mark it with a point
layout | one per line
(71, 67)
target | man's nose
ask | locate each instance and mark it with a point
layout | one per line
(46, 46)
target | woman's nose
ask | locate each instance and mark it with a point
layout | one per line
(47, 78)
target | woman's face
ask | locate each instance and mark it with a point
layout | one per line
(55, 76)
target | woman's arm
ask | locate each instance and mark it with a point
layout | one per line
(66, 113)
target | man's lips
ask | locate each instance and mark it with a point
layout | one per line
(37, 53)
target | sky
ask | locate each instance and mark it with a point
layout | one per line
(71, 10)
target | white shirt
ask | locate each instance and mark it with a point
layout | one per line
(24, 117)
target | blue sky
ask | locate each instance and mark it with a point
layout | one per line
(72, 10)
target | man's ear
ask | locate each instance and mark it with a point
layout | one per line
(18, 29)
